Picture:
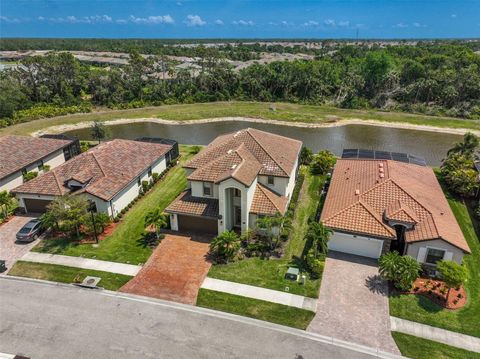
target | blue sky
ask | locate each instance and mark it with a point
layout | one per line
(241, 18)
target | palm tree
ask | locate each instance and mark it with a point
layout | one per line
(319, 235)
(270, 226)
(388, 265)
(225, 246)
(157, 219)
(467, 146)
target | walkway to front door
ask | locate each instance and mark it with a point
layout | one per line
(353, 303)
(175, 271)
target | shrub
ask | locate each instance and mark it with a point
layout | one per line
(322, 162)
(29, 176)
(145, 186)
(225, 246)
(401, 270)
(315, 263)
(155, 177)
(452, 273)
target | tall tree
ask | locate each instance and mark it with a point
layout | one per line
(99, 131)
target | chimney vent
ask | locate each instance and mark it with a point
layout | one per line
(357, 192)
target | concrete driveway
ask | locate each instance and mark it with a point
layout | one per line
(175, 271)
(353, 303)
(10, 251)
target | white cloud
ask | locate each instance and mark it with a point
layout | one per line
(329, 22)
(311, 23)
(11, 20)
(417, 24)
(94, 19)
(453, 16)
(344, 23)
(400, 25)
(218, 22)
(160, 19)
(41, 18)
(243, 22)
(121, 21)
(179, 3)
(194, 20)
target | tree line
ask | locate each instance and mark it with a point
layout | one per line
(436, 80)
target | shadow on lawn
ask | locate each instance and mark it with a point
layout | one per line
(148, 240)
(56, 245)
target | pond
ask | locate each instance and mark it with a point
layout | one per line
(433, 146)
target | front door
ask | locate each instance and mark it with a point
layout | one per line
(237, 217)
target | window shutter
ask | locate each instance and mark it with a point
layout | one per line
(421, 254)
(448, 256)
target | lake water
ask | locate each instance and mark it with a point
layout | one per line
(432, 146)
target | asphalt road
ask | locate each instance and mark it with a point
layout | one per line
(43, 320)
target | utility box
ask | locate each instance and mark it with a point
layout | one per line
(292, 274)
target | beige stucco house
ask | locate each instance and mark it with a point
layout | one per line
(234, 180)
(109, 175)
(22, 154)
(374, 206)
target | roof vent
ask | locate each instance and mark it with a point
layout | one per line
(234, 166)
(229, 151)
(357, 192)
(382, 175)
(380, 165)
(380, 170)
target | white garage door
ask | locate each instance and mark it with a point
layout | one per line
(361, 246)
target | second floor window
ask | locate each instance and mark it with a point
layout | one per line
(271, 180)
(150, 172)
(207, 188)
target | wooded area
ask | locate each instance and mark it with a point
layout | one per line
(436, 79)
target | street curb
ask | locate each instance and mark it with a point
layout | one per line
(222, 315)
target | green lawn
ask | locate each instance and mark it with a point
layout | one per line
(467, 319)
(63, 274)
(270, 273)
(419, 348)
(125, 244)
(284, 112)
(253, 308)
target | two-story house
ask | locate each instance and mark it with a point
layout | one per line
(237, 178)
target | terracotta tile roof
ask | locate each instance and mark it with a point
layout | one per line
(18, 152)
(239, 164)
(267, 202)
(185, 203)
(107, 168)
(363, 193)
(252, 150)
(398, 211)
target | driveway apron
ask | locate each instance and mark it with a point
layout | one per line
(175, 271)
(353, 303)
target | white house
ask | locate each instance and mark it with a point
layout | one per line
(22, 154)
(236, 178)
(110, 175)
(374, 206)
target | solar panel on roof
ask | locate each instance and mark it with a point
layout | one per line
(383, 155)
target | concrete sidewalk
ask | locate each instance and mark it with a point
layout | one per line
(458, 340)
(268, 295)
(84, 263)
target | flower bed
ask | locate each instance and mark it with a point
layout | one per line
(437, 292)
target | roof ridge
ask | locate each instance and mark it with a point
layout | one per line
(57, 181)
(367, 207)
(98, 163)
(263, 148)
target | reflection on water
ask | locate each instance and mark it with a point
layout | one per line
(430, 145)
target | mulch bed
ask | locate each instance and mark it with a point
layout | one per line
(108, 230)
(437, 291)
(6, 220)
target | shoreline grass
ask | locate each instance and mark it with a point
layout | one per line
(64, 274)
(287, 112)
(254, 308)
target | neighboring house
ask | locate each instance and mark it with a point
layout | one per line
(22, 154)
(234, 180)
(110, 175)
(374, 206)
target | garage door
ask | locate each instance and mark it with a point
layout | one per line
(197, 224)
(361, 246)
(36, 205)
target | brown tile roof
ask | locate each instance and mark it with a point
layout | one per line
(18, 152)
(245, 154)
(362, 192)
(267, 202)
(107, 168)
(185, 203)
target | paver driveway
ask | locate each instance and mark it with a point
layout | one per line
(353, 303)
(175, 271)
(10, 251)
